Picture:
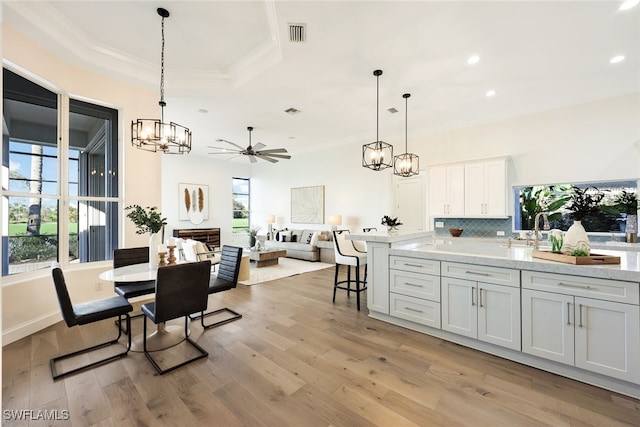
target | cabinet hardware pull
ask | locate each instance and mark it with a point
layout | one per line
(580, 325)
(413, 284)
(413, 265)
(472, 299)
(480, 297)
(568, 313)
(477, 273)
(566, 285)
(413, 309)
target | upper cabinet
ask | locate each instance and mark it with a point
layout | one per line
(446, 190)
(485, 185)
(469, 189)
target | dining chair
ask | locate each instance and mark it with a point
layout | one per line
(181, 289)
(346, 254)
(130, 256)
(227, 278)
(85, 313)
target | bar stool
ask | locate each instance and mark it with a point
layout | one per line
(346, 254)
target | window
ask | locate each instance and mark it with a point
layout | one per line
(241, 189)
(601, 206)
(60, 192)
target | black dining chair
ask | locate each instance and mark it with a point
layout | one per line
(346, 254)
(130, 256)
(85, 313)
(181, 289)
(227, 278)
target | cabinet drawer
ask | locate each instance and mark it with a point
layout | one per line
(415, 310)
(417, 265)
(481, 273)
(603, 289)
(415, 284)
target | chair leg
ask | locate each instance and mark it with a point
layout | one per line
(118, 323)
(358, 287)
(348, 281)
(56, 375)
(335, 282)
(201, 316)
(202, 352)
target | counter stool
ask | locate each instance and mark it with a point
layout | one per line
(346, 254)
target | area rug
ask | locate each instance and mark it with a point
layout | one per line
(286, 267)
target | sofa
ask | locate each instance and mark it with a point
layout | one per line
(299, 244)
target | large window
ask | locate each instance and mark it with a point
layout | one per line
(241, 189)
(601, 206)
(59, 182)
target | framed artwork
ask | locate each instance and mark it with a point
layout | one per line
(194, 202)
(307, 205)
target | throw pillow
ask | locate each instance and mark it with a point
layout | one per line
(306, 236)
(285, 236)
(314, 238)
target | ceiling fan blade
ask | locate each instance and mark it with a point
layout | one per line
(278, 156)
(227, 153)
(234, 144)
(274, 150)
(229, 150)
(269, 159)
(253, 159)
(258, 146)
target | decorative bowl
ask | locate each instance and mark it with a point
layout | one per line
(456, 232)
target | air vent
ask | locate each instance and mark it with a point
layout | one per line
(297, 33)
(292, 111)
(392, 110)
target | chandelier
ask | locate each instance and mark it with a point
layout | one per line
(377, 155)
(406, 164)
(157, 135)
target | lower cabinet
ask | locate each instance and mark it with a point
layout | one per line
(485, 311)
(414, 295)
(600, 336)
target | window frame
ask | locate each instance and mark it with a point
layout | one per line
(234, 229)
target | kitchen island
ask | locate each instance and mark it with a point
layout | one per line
(579, 321)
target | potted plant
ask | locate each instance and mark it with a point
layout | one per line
(582, 205)
(391, 223)
(148, 220)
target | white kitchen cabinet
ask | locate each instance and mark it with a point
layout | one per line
(414, 290)
(560, 323)
(485, 188)
(446, 190)
(486, 311)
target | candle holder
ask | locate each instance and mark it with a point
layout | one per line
(172, 258)
(162, 255)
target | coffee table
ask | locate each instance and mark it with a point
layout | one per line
(266, 257)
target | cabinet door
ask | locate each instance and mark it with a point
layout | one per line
(474, 182)
(495, 188)
(438, 201)
(455, 190)
(547, 325)
(499, 315)
(459, 310)
(608, 338)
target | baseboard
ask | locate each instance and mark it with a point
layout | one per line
(30, 327)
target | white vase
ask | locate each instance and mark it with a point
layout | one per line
(154, 240)
(576, 238)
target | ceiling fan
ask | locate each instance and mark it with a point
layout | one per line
(254, 153)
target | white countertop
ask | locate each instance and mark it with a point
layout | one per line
(498, 254)
(384, 237)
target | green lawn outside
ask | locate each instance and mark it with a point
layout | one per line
(46, 228)
(240, 222)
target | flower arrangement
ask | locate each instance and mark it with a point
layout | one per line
(147, 220)
(390, 222)
(253, 231)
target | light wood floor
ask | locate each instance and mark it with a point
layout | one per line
(295, 359)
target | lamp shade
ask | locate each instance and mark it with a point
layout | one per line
(335, 219)
(270, 219)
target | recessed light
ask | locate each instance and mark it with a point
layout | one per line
(490, 93)
(628, 4)
(473, 59)
(616, 59)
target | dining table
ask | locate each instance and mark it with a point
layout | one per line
(167, 334)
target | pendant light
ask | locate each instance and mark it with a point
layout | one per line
(377, 155)
(406, 164)
(156, 135)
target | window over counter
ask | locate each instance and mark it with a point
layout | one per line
(60, 183)
(241, 191)
(601, 206)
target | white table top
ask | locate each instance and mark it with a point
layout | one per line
(130, 273)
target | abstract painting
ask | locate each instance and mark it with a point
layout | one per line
(194, 202)
(307, 205)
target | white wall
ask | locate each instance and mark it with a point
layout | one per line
(28, 301)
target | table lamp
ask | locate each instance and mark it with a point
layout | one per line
(335, 221)
(271, 219)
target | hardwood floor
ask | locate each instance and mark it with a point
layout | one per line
(296, 359)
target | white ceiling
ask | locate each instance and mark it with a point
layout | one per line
(234, 60)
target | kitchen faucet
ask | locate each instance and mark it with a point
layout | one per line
(537, 236)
